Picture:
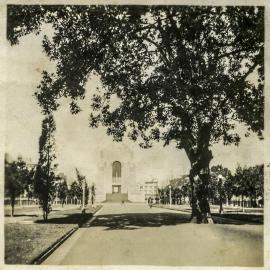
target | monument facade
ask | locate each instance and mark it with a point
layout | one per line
(116, 180)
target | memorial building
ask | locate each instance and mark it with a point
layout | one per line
(116, 180)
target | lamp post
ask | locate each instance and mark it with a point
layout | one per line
(181, 197)
(170, 194)
(221, 183)
(83, 197)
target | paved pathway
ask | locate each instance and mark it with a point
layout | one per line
(134, 234)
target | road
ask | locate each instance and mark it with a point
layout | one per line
(134, 234)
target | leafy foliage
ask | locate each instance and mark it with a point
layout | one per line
(220, 185)
(179, 67)
(249, 182)
(76, 188)
(16, 179)
(62, 188)
(93, 193)
(180, 190)
(45, 178)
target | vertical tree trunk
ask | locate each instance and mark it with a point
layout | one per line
(220, 206)
(242, 198)
(199, 179)
(197, 150)
(199, 201)
(12, 204)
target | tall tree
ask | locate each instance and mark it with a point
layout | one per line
(180, 73)
(29, 184)
(241, 183)
(45, 178)
(258, 181)
(16, 177)
(75, 190)
(221, 184)
(81, 180)
(62, 188)
(93, 194)
(249, 182)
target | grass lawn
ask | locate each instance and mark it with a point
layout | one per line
(24, 242)
(238, 217)
(242, 217)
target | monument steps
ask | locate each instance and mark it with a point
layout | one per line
(116, 197)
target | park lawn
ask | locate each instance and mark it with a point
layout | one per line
(24, 242)
(242, 217)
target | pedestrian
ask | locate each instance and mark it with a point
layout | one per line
(150, 202)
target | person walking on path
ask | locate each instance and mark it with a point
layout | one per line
(150, 201)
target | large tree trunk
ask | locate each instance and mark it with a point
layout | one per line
(45, 208)
(199, 202)
(200, 158)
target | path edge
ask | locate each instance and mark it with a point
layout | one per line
(48, 251)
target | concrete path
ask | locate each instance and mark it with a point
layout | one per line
(137, 235)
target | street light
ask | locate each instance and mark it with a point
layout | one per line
(83, 197)
(170, 189)
(221, 180)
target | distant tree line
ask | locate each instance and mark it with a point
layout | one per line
(18, 180)
(22, 179)
(247, 183)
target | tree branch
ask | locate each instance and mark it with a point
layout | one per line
(165, 59)
(252, 68)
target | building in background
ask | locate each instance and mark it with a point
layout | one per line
(116, 179)
(150, 189)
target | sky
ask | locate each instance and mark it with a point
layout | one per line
(77, 145)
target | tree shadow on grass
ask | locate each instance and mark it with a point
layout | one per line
(137, 220)
(238, 219)
(77, 218)
(231, 218)
(21, 215)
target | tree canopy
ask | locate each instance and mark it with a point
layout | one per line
(17, 177)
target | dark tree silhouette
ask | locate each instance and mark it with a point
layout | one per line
(221, 185)
(16, 179)
(248, 182)
(62, 188)
(180, 73)
(80, 179)
(45, 178)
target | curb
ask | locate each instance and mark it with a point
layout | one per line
(48, 251)
(174, 209)
(45, 254)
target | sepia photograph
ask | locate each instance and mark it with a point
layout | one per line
(134, 135)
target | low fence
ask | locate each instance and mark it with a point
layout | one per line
(32, 202)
